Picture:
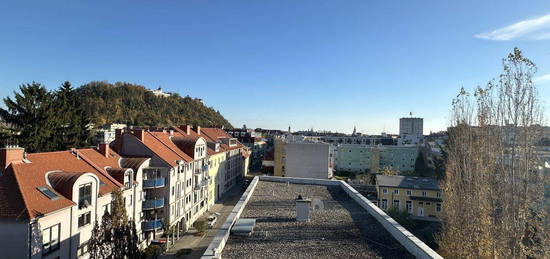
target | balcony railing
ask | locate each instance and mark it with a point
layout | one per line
(149, 225)
(153, 204)
(153, 183)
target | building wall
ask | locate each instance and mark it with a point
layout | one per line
(15, 235)
(430, 207)
(308, 160)
(359, 158)
(411, 126)
(279, 157)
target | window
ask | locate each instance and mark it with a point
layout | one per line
(424, 194)
(409, 192)
(438, 194)
(84, 219)
(438, 207)
(384, 204)
(84, 195)
(396, 192)
(409, 206)
(83, 248)
(396, 204)
(50, 239)
(384, 191)
(173, 190)
(49, 193)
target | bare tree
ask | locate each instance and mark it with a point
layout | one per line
(494, 189)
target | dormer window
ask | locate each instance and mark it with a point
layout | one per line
(84, 195)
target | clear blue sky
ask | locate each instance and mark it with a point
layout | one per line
(270, 63)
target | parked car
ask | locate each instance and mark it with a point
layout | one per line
(212, 221)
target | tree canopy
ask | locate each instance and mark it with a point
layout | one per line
(136, 105)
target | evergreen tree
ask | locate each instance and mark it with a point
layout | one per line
(31, 117)
(72, 125)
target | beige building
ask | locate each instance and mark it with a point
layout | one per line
(421, 197)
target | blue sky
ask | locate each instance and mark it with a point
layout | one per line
(273, 63)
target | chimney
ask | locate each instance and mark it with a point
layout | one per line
(302, 209)
(186, 128)
(199, 130)
(139, 133)
(10, 154)
(103, 149)
(171, 132)
(118, 140)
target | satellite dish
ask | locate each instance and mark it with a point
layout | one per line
(317, 204)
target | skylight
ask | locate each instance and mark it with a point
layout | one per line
(49, 193)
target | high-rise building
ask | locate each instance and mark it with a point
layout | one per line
(411, 126)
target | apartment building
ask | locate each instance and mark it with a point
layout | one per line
(362, 158)
(49, 202)
(179, 182)
(294, 158)
(421, 197)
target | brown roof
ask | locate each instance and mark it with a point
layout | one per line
(19, 194)
(63, 182)
(160, 143)
(133, 162)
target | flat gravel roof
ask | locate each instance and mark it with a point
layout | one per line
(342, 229)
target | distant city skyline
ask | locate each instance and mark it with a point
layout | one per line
(326, 65)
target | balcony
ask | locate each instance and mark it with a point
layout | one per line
(150, 225)
(153, 183)
(153, 204)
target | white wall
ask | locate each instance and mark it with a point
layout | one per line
(307, 160)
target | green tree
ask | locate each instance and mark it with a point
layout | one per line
(72, 125)
(31, 117)
(117, 236)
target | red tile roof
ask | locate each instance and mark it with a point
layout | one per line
(19, 196)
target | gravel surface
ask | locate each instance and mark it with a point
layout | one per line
(342, 229)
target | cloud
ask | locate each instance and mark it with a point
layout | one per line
(542, 78)
(532, 29)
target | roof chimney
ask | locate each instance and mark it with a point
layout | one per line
(139, 133)
(10, 154)
(186, 129)
(103, 149)
(199, 130)
(118, 140)
(302, 209)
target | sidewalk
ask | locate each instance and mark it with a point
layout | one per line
(198, 244)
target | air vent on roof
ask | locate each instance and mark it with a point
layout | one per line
(46, 191)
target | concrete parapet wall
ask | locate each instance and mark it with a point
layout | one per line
(414, 245)
(218, 242)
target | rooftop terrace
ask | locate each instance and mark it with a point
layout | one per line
(342, 229)
(342, 224)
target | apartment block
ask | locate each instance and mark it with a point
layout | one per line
(421, 197)
(180, 182)
(362, 158)
(49, 202)
(303, 159)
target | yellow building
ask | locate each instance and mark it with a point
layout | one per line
(419, 196)
(214, 172)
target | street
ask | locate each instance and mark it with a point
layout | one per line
(198, 244)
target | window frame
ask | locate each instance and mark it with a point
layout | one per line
(49, 247)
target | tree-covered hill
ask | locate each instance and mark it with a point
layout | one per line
(136, 105)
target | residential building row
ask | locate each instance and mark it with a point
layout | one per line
(50, 201)
(364, 158)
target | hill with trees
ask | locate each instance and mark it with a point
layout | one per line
(136, 105)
